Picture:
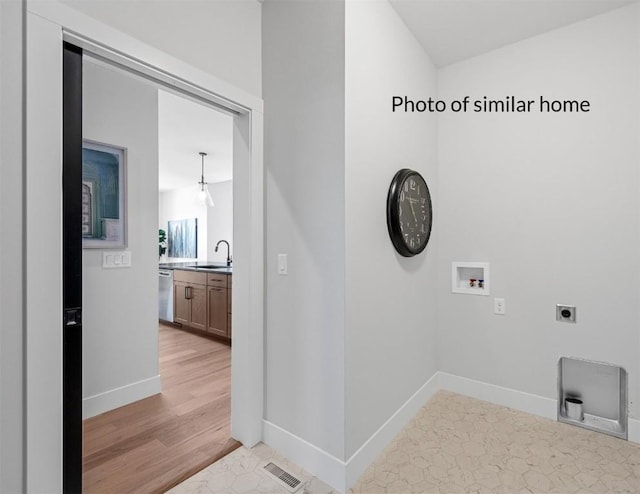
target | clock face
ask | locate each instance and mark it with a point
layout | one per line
(409, 213)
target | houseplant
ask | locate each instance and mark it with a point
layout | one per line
(162, 245)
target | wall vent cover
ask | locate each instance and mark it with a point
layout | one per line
(291, 483)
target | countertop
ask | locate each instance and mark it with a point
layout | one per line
(198, 266)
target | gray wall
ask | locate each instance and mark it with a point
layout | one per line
(121, 305)
(303, 88)
(11, 249)
(317, 83)
(390, 299)
(550, 200)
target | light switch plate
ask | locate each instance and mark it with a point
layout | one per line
(499, 306)
(116, 259)
(283, 268)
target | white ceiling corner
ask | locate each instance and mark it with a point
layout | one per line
(454, 30)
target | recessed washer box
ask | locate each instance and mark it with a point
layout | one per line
(462, 274)
(601, 387)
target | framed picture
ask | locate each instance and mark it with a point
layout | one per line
(104, 214)
(183, 238)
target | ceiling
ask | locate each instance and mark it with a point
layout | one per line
(184, 129)
(454, 30)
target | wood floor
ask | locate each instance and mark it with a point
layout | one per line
(151, 445)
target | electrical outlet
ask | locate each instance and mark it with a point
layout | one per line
(499, 306)
(565, 313)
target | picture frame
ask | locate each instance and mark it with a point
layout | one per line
(104, 192)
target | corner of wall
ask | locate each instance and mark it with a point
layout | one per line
(303, 87)
(390, 332)
(367, 453)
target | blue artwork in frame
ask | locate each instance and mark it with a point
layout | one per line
(183, 238)
(103, 196)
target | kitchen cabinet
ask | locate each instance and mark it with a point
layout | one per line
(190, 299)
(181, 303)
(202, 300)
(217, 320)
(217, 304)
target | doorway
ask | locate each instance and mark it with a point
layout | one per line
(44, 280)
(136, 134)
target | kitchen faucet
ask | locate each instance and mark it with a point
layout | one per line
(228, 251)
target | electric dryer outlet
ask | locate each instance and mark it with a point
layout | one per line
(566, 313)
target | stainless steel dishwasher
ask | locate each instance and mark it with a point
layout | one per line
(165, 294)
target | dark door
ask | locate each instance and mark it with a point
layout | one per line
(72, 270)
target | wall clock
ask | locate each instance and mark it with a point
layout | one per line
(409, 213)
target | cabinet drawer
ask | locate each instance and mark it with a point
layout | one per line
(190, 276)
(217, 279)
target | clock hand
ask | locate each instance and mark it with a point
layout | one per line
(412, 210)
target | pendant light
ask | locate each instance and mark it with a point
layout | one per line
(203, 195)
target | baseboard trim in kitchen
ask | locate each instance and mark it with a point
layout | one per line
(114, 398)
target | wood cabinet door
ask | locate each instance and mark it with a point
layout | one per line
(181, 304)
(198, 295)
(217, 304)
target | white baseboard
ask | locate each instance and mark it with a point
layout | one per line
(114, 398)
(342, 475)
(323, 465)
(518, 400)
(333, 471)
(633, 430)
(361, 459)
(506, 397)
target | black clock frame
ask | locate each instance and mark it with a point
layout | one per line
(393, 222)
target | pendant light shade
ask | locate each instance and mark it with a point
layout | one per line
(204, 196)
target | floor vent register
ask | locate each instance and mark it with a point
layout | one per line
(288, 481)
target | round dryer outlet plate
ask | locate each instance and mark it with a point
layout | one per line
(565, 313)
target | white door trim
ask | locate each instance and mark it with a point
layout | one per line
(47, 23)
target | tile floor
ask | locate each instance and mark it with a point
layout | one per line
(457, 444)
(240, 473)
